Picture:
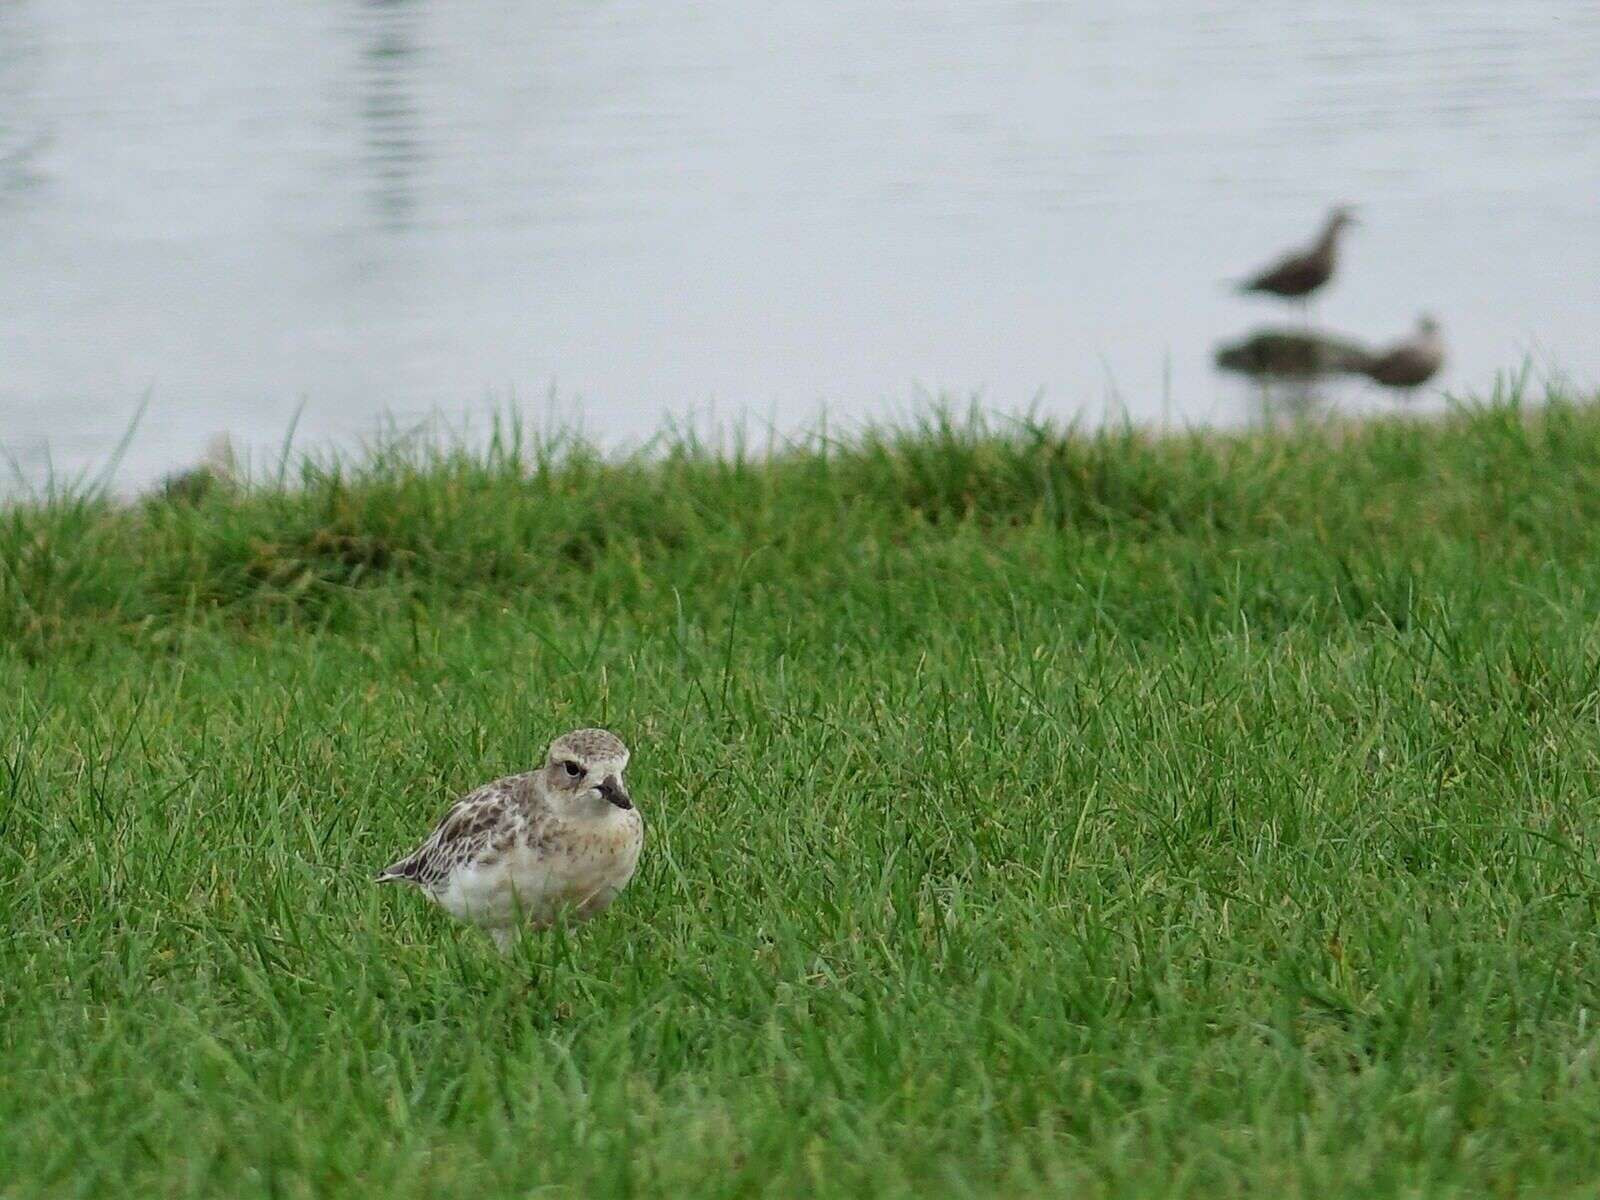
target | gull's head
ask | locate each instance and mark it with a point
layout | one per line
(1428, 325)
(584, 772)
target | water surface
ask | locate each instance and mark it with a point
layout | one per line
(245, 210)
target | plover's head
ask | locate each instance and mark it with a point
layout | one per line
(1428, 325)
(1341, 216)
(584, 772)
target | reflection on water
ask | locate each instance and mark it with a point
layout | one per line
(367, 206)
(20, 137)
(389, 108)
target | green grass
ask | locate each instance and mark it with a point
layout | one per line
(1104, 816)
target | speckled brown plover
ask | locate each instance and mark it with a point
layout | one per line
(517, 852)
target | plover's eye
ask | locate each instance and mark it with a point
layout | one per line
(573, 770)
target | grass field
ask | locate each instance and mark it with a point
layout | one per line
(1096, 816)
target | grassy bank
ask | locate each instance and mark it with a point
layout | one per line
(1097, 816)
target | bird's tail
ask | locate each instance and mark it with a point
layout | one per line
(399, 872)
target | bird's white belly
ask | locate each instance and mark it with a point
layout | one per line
(529, 886)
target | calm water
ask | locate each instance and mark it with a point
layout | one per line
(734, 207)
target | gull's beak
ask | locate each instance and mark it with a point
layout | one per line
(613, 791)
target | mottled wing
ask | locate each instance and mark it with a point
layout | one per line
(467, 831)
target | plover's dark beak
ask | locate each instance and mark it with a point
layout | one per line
(611, 788)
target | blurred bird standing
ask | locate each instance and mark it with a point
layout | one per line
(1295, 276)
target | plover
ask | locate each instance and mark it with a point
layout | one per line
(520, 850)
(1295, 276)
